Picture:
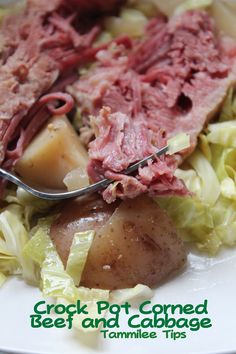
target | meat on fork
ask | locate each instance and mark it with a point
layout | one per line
(173, 80)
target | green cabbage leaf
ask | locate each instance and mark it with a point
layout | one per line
(208, 217)
(13, 238)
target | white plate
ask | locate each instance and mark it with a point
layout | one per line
(204, 278)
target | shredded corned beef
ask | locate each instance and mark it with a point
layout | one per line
(139, 93)
(121, 141)
(40, 51)
(172, 81)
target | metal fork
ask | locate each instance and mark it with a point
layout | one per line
(50, 195)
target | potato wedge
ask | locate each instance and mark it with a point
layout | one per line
(52, 154)
(137, 244)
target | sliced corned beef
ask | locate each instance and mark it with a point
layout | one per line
(36, 52)
(120, 142)
(172, 81)
(140, 92)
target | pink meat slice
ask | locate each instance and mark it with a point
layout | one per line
(36, 51)
(172, 81)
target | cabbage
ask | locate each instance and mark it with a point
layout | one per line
(13, 238)
(204, 147)
(175, 7)
(208, 218)
(90, 297)
(178, 143)
(11, 9)
(130, 21)
(2, 279)
(192, 5)
(78, 254)
(168, 6)
(223, 12)
(196, 213)
(76, 179)
(223, 133)
(30, 204)
(210, 186)
(192, 180)
(228, 188)
(104, 37)
(139, 292)
(55, 281)
(147, 7)
(59, 283)
(228, 111)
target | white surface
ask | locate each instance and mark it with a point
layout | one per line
(204, 278)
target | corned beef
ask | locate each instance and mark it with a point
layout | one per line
(172, 81)
(36, 51)
(139, 93)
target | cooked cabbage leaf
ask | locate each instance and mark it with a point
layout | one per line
(31, 205)
(228, 111)
(78, 254)
(11, 9)
(88, 297)
(208, 218)
(139, 292)
(130, 21)
(192, 5)
(176, 7)
(178, 143)
(223, 133)
(13, 238)
(2, 279)
(55, 281)
(210, 186)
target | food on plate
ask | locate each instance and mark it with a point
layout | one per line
(39, 47)
(87, 89)
(53, 153)
(141, 91)
(132, 243)
(164, 84)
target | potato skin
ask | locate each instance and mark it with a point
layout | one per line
(137, 244)
(81, 214)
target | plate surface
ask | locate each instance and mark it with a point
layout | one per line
(213, 279)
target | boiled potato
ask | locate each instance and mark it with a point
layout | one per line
(82, 214)
(135, 244)
(52, 154)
